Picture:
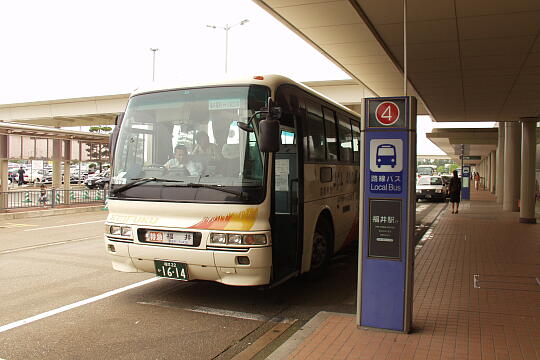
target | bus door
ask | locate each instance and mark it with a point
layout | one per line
(285, 243)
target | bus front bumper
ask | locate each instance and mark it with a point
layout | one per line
(212, 265)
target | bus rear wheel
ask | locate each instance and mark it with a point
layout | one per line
(321, 251)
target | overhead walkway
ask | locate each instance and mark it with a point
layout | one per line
(476, 296)
(26, 142)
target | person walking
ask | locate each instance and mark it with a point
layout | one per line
(476, 180)
(21, 175)
(454, 191)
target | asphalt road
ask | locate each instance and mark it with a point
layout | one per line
(60, 299)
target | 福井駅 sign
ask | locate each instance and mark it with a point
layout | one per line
(385, 228)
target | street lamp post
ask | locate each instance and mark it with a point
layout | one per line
(227, 28)
(154, 62)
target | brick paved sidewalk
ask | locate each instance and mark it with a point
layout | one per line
(453, 319)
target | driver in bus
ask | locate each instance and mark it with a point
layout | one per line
(180, 159)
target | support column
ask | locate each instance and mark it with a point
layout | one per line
(57, 169)
(500, 165)
(3, 172)
(493, 167)
(488, 172)
(484, 174)
(4, 175)
(66, 155)
(4, 186)
(512, 166)
(528, 170)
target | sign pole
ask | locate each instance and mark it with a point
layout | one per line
(387, 214)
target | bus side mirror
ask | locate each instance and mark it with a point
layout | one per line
(269, 136)
(269, 129)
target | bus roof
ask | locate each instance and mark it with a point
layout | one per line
(272, 81)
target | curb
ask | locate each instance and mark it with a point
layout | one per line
(300, 335)
(49, 212)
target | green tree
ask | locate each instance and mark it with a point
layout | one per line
(99, 151)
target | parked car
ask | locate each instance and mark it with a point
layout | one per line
(431, 188)
(98, 181)
(38, 175)
(48, 179)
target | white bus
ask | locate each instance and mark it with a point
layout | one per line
(204, 187)
(425, 170)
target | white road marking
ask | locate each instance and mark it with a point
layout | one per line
(219, 312)
(58, 226)
(62, 309)
(48, 244)
(236, 314)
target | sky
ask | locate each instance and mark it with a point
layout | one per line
(59, 49)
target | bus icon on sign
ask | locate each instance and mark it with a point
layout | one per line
(386, 155)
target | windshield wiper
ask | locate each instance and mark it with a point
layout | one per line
(140, 181)
(209, 186)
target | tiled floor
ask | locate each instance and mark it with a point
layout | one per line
(453, 319)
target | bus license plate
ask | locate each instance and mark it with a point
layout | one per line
(170, 237)
(171, 270)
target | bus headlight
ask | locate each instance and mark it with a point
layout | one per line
(257, 239)
(217, 238)
(115, 230)
(234, 239)
(126, 231)
(238, 239)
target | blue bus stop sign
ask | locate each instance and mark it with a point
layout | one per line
(387, 213)
(466, 183)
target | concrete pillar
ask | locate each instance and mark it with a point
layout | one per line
(488, 172)
(499, 179)
(483, 174)
(67, 183)
(57, 174)
(4, 175)
(3, 172)
(4, 186)
(57, 169)
(512, 166)
(493, 167)
(528, 170)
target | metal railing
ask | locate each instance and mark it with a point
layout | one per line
(53, 198)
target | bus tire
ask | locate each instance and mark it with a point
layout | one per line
(322, 247)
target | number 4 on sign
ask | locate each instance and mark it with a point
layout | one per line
(387, 113)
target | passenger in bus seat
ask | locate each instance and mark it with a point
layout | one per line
(204, 147)
(206, 156)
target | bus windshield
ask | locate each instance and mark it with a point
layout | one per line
(188, 142)
(424, 170)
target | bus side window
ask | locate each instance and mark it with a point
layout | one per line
(315, 132)
(331, 136)
(356, 141)
(345, 139)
